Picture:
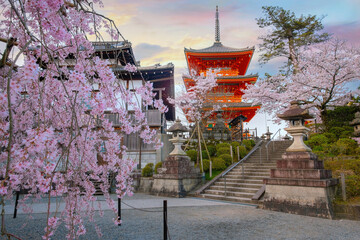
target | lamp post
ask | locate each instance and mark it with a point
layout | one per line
(296, 116)
(268, 134)
(177, 129)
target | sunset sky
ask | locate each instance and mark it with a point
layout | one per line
(160, 29)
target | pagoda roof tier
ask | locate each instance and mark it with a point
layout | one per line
(218, 47)
(240, 77)
(231, 112)
(224, 80)
(232, 63)
(232, 105)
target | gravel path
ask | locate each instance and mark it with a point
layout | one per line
(198, 219)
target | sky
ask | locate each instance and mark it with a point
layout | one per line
(160, 29)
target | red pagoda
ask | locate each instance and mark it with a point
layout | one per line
(232, 65)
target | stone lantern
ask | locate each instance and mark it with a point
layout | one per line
(356, 124)
(177, 129)
(268, 134)
(299, 184)
(296, 117)
(178, 176)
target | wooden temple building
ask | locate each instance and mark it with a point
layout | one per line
(119, 54)
(232, 65)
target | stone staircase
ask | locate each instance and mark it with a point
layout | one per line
(246, 179)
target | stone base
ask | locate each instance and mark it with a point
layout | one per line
(174, 187)
(145, 185)
(309, 201)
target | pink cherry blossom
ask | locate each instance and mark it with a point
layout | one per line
(326, 69)
(56, 126)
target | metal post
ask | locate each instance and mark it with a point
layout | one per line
(210, 169)
(225, 185)
(267, 153)
(242, 169)
(119, 211)
(238, 153)
(200, 151)
(165, 220)
(231, 154)
(343, 187)
(16, 203)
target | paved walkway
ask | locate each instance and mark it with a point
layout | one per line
(192, 218)
(138, 200)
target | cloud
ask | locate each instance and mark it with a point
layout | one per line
(347, 31)
(192, 42)
(121, 13)
(146, 50)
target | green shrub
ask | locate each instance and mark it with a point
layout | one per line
(317, 140)
(148, 170)
(206, 164)
(218, 164)
(345, 134)
(192, 154)
(346, 146)
(223, 150)
(351, 169)
(212, 150)
(158, 165)
(205, 154)
(242, 151)
(226, 158)
(357, 151)
(348, 165)
(330, 136)
(318, 149)
(352, 183)
(249, 144)
(339, 130)
(222, 145)
(234, 146)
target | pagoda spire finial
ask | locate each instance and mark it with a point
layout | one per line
(217, 26)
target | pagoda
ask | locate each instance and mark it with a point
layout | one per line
(231, 65)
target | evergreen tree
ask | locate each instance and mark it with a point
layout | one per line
(288, 34)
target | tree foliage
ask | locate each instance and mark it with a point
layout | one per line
(55, 139)
(288, 33)
(325, 69)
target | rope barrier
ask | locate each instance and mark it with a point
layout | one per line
(140, 209)
(164, 211)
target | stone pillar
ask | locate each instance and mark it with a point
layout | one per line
(299, 184)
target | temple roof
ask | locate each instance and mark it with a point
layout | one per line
(232, 105)
(218, 47)
(237, 77)
(295, 112)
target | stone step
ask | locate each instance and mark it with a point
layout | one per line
(253, 169)
(254, 181)
(229, 198)
(238, 185)
(250, 170)
(247, 176)
(230, 193)
(239, 174)
(234, 189)
(255, 165)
